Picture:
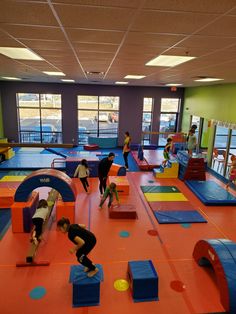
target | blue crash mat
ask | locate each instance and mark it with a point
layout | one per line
(178, 216)
(211, 193)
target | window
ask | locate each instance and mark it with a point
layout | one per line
(39, 118)
(168, 118)
(220, 149)
(231, 153)
(97, 116)
(224, 151)
(147, 119)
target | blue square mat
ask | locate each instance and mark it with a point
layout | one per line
(178, 216)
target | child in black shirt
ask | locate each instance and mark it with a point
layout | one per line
(84, 241)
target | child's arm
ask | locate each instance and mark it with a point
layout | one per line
(82, 226)
(116, 194)
(80, 242)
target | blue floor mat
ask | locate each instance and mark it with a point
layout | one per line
(45, 158)
(28, 161)
(79, 152)
(178, 216)
(5, 220)
(211, 193)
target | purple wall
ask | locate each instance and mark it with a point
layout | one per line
(131, 105)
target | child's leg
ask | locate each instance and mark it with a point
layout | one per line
(84, 260)
(86, 182)
(83, 180)
(110, 199)
(125, 155)
(102, 201)
(38, 222)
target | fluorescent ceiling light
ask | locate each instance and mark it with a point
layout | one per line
(121, 83)
(19, 53)
(54, 73)
(67, 80)
(168, 61)
(173, 84)
(11, 78)
(134, 77)
(208, 79)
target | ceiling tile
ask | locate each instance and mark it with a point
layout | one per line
(203, 6)
(46, 45)
(226, 26)
(33, 32)
(18, 12)
(149, 39)
(94, 17)
(95, 36)
(202, 41)
(101, 3)
(95, 47)
(171, 23)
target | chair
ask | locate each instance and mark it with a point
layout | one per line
(229, 164)
(216, 157)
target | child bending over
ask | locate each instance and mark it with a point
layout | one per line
(84, 241)
(109, 192)
(38, 220)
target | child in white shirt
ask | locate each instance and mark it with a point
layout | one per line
(38, 220)
(82, 172)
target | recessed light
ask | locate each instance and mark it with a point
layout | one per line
(174, 84)
(67, 80)
(134, 77)
(208, 79)
(11, 78)
(94, 72)
(121, 83)
(19, 53)
(54, 73)
(168, 61)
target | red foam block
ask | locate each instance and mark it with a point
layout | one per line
(125, 211)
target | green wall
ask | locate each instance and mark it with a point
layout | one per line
(1, 122)
(216, 102)
(210, 102)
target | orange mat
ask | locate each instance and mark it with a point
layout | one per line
(7, 197)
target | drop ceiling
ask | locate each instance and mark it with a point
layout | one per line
(103, 41)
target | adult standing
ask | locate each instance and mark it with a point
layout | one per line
(103, 169)
(126, 149)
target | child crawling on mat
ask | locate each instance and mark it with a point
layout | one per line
(38, 220)
(232, 174)
(109, 192)
(84, 241)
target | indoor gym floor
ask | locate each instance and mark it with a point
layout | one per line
(184, 287)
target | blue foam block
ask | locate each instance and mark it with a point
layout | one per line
(71, 166)
(178, 216)
(144, 281)
(86, 290)
(211, 193)
(225, 250)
